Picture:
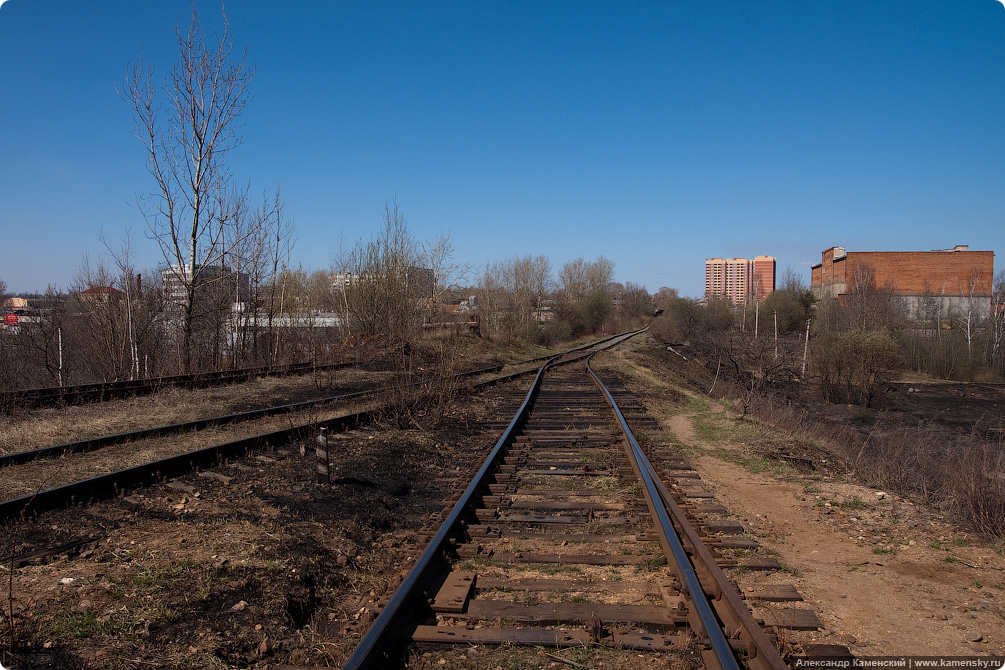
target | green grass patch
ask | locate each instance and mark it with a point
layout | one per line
(752, 463)
(855, 502)
(559, 569)
(651, 564)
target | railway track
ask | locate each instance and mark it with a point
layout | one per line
(83, 446)
(57, 396)
(569, 536)
(111, 482)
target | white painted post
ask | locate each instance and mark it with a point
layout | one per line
(321, 450)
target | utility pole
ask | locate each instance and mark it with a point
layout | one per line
(806, 347)
(775, 312)
(757, 317)
(59, 339)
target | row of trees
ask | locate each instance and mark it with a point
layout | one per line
(521, 298)
(116, 323)
(855, 345)
(227, 295)
(958, 338)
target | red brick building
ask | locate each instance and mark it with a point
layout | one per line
(953, 275)
(739, 280)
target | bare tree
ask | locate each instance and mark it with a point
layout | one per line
(599, 274)
(996, 316)
(572, 280)
(386, 290)
(195, 201)
(512, 296)
(44, 338)
(976, 292)
(341, 273)
(541, 283)
(438, 256)
(665, 296)
(584, 296)
(9, 363)
(492, 298)
(258, 249)
(870, 306)
(789, 305)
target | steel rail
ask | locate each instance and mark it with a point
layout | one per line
(677, 531)
(399, 607)
(92, 444)
(47, 396)
(111, 484)
(761, 653)
(704, 619)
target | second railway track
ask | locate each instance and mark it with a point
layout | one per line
(94, 468)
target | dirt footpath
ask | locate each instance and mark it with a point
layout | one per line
(884, 577)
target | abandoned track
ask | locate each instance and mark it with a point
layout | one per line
(82, 446)
(109, 479)
(568, 536)
(98, 392)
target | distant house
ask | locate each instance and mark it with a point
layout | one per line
(15, 304)
(419, 283)
(101, 295)
(215, 285)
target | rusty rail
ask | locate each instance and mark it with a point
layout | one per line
(680, 538)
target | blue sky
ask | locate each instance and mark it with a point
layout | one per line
(657, 134)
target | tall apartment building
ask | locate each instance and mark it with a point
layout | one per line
(739, 280)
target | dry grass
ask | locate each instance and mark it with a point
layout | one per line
(21, 480)
(47, 427)
(960, 474)
(955, 471)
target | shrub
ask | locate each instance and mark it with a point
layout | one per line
(853, 365)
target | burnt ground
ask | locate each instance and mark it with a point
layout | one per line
(965, 407)
(249, 564)
(909, 402)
